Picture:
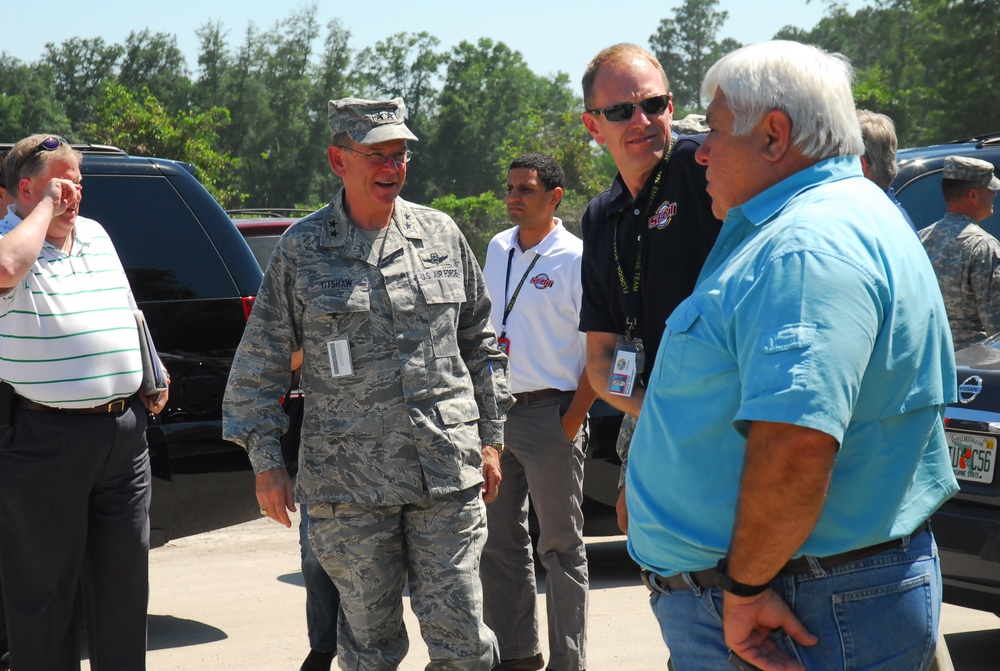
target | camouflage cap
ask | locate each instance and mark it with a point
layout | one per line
(370, 121)
(971, 170)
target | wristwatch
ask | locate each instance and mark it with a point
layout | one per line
(732, 586)
(496, 446)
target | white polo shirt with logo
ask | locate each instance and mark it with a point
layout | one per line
(547, 350)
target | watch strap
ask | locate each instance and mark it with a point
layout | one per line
(726, 583)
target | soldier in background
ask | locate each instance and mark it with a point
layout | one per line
(406, 393)
(965, 257)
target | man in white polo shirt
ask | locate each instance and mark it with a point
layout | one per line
(74, 469)
(533, 275)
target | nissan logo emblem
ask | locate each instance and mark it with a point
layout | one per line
(970, 389)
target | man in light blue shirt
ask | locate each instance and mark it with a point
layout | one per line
(793, 425)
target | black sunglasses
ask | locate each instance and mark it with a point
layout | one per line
(624, 111)
(51, 143)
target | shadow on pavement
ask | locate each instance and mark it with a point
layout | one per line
(974, 650)
(167, 631)
(292, 579)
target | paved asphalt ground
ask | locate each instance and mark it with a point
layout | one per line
(233, 599)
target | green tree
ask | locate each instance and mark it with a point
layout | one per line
(153, 60)
(480, 218)
(330, 82)
(405, 65)
(140, 125)
(27, 103)
(921, 62)
(562, 136)
(213, 63)
(488, 92)
(960, 92)
(80, 66)
(686, 47)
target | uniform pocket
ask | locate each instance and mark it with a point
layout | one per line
(444, 294)
(336, 313)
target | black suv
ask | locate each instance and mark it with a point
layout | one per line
(195, 280)
(967, 527)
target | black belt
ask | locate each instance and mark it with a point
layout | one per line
(115, 407)
(708, 579)
(529, 397)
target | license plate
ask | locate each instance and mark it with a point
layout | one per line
(973, 457)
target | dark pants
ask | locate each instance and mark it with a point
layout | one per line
(322, 597)
(74, 515)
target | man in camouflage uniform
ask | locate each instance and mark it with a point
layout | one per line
(965, 257)
(406, 393)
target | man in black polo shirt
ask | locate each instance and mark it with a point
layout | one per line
(645, 238)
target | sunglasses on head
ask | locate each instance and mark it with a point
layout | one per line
(624, 111)
(51, 143)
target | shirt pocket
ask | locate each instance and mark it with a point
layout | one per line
(339, 313)
(670, 358)
(444, 293)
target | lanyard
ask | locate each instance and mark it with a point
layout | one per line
(632, 296)
(510, 305)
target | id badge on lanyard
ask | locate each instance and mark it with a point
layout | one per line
(627, 364)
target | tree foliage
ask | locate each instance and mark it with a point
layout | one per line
(925, 63)
(686, 47)
(252, 115)
(79, 68)
(488, 93)
(480, 218)
(27, 104)
(140, 125)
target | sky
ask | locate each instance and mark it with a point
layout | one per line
(552, 36)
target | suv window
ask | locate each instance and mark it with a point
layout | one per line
(262, 247)
(166, 253)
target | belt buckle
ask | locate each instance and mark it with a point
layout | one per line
(116, 406)
(646, 580)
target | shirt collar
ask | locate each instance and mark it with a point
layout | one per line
(544, 247)
(743, 220)
(768, 203)
(339, 231)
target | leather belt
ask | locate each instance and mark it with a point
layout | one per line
(529, 397)
(708, 579)
(115, 407)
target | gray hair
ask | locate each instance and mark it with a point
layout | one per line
(811, 86)
(879, 135)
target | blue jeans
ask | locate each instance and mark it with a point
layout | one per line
(877, 613)
(322, 597)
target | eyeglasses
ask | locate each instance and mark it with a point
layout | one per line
(379, 158)
(624, 111)
(51, 143)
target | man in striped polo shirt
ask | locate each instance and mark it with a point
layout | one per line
(74, 469)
